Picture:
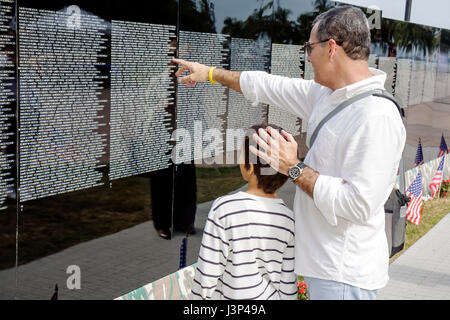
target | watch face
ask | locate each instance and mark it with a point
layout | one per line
(294, 172)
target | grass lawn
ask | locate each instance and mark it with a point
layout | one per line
(433, 212)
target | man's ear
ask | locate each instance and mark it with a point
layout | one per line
(333, 49)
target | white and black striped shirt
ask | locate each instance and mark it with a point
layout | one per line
(247, 250)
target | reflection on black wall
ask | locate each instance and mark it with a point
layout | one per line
(127, 113)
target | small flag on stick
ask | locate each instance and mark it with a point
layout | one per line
(415, 206)
(443, 147)
(55, 294)
(437, 179)
(419, 155)
(183, 253)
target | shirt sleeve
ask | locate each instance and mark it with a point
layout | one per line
(212, 257)
(291, 94)
(372, 155)
(288, 279)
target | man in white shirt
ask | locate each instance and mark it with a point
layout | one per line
(341, 247)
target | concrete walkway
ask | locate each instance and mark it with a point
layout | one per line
(423, 271)
(117, 264)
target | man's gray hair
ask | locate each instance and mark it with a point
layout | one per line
(347, 25)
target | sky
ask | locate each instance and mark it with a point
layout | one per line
(429, 12)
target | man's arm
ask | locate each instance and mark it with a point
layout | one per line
(307, 180)
(228, 78)
(291, 94)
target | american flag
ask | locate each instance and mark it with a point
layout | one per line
(443, 147)
(414, 209)
(419, 155)
(437, 178)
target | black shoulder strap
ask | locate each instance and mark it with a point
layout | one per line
(376, 92)
(387, 95)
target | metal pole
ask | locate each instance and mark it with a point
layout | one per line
(408, 10)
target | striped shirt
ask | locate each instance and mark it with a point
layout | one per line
(247, 250)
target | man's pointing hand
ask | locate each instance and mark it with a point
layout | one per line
(198, 72)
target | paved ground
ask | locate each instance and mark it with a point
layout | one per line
(114, 265)
(423, 271)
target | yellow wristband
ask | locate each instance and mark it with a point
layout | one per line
(210, 75)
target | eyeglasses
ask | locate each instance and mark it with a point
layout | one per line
(308, 45)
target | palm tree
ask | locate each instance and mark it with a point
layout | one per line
(207, 13)
(408, 36)
(277, 25)
(255, 26)
(282, 29)
(322, 6)
(304, 21)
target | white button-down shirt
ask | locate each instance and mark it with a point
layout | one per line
(340, 235)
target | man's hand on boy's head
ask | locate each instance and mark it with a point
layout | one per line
(280, 149)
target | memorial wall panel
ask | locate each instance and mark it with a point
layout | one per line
(309, 71)
(430, 81)
(61, 108)
(417, 82)
(202, 108)
(8, 78)
(442, 73)
(373, 61)
(249, 55)
(141, 89)
(8, 136)
(287, 60)
(388, 65)
(403, 78)
(443, 69)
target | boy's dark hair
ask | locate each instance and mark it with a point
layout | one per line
(267, 182)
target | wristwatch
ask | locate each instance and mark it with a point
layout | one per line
(296, 171)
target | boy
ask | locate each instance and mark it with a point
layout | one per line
(247, 250)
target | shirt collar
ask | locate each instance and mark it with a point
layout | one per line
(376, 81)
